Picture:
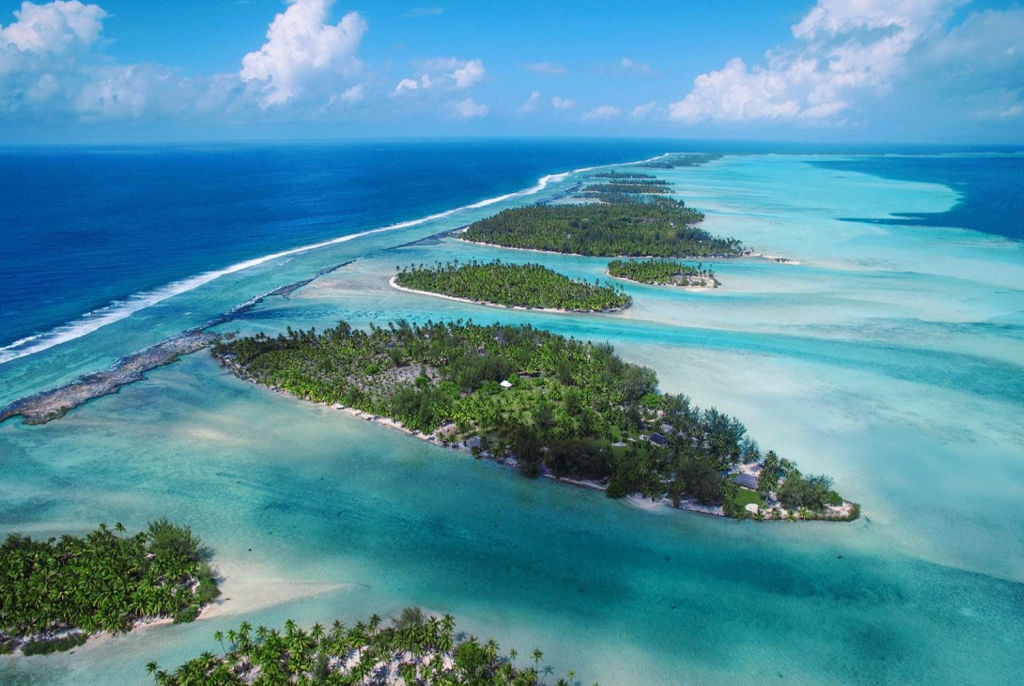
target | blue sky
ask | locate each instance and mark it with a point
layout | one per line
(831, 71)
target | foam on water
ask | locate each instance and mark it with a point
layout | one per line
(118, 310)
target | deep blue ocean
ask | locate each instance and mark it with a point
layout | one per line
(991, 189)
(84, 228)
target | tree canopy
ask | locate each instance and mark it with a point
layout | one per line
(571, 408)
(411, 650)
(662, 272)
(659, 228)
(513, 285)
(101, 581)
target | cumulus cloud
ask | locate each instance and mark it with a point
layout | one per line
(40, 55)
(601, 113)
(643, 110)
(469, 74)
(546, 68)
(562, 103)
(116, 93)
(307, 68)
(531, 104)
(469, 109)
(843, 47)
(302, 48)
(442, 74)
(52, 28)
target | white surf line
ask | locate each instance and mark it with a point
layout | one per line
(122, 309)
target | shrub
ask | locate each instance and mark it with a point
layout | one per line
(45, 646)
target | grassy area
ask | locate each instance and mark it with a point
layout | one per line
(737, 498)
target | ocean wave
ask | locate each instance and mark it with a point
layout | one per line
(121, 309)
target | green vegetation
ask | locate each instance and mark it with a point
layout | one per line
(569, 408)
(622, 175)
(45, 646)
(411, 650)
(807, 495)
(54, 593)
(662, 273)
(598, 190)
(513, 285)
(631, 186)
(660, 228)
(737, 498)
(628, 189)
(681, 160)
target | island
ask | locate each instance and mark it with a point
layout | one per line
(525, 286)
(661, 227)
(663, 273)
(622, 176)
(411, 649)
(620, 184)
(548, 405)
(54, 594)
(623, 187)
(689, 159)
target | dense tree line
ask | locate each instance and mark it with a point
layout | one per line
(573, 408)
(629, 187)
(622, 175)
(51, 591)
(636, 229)
(680, 160)
(661, 272)
(513, 285)
(412, 650)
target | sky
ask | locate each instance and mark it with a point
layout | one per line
(845, 71)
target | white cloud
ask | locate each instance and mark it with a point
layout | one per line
(642, 110)
(546, 68)
(469, 108)
(843, 47)
(53, 28)
(1002, 113)
(468, 74)
(531, 104)
(302, 47)
(987, 49)
(114, 93)
(405, 85)
(354, 94)
(562, 104)
(443, 74)
(601, 113)
(44, 88)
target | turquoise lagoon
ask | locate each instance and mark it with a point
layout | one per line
(889, 356)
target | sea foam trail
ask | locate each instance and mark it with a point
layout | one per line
(121, 309)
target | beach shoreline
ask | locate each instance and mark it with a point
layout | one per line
(637, 500)
(702, 287)
(455, 236)
(552, 310)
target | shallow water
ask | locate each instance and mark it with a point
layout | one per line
(890, 357)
